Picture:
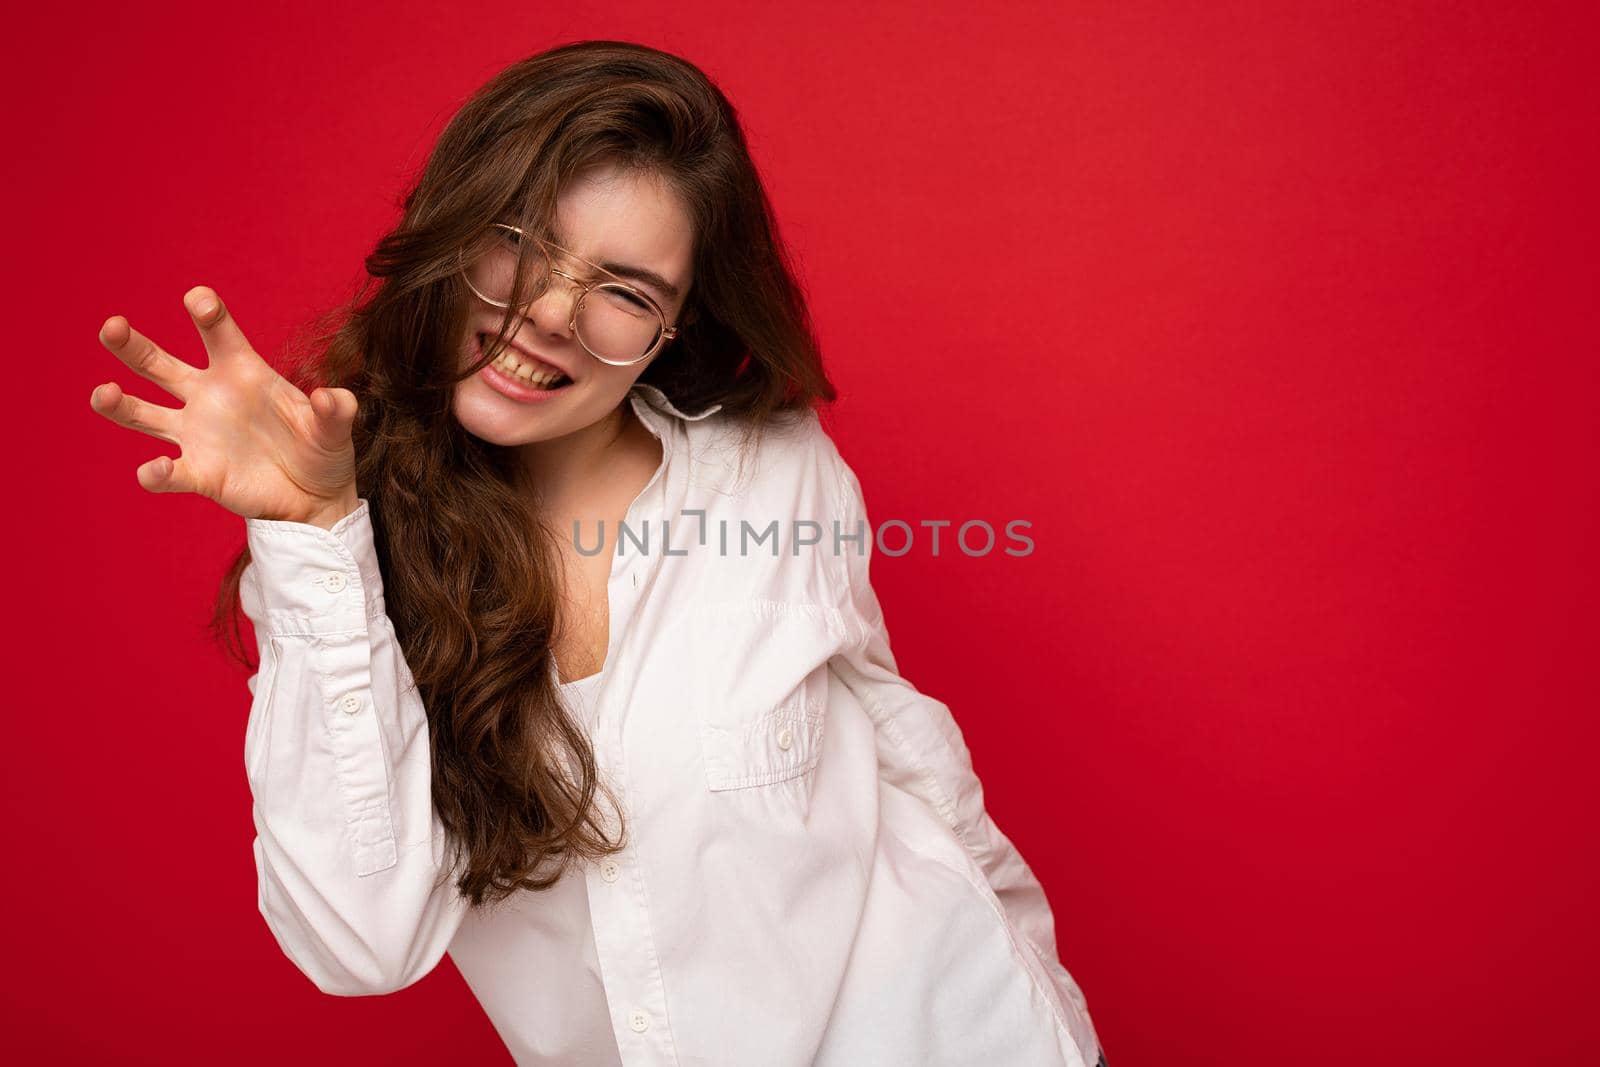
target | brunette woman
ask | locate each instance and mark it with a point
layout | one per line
(568, 660)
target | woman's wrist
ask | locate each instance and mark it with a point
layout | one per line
(327, 517)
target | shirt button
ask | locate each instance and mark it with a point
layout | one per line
(335, 581)
(609, 869)
(350, 704)
(785, 738)
(639, 1021)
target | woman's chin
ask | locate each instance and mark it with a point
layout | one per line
(485, 415)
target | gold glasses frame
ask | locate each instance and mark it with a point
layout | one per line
(581, 290)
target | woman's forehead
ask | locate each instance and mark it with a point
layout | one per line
(626, 220)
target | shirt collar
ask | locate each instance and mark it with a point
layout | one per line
(649, 399)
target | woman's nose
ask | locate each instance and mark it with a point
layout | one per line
(552, 311)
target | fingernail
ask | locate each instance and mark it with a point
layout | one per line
(206, 307)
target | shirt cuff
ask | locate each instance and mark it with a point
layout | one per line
(316, 581)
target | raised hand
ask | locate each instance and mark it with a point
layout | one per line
(249, 439)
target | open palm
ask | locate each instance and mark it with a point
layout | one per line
(249, 439)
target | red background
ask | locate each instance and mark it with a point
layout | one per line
(1276, 321)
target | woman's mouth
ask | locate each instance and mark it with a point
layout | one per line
(521, 371)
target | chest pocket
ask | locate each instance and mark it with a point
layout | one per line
(761, 690)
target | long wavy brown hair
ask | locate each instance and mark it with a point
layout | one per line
(469, 580)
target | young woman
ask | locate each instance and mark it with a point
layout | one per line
(569, 663)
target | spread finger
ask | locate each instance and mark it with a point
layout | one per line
(134, 413)
(146, 358)
(221, 334)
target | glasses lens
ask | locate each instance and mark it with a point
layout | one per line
(616, 323)
(493, 273)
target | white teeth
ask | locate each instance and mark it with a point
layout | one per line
(509, 364)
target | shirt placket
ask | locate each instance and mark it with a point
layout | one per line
(618, 906)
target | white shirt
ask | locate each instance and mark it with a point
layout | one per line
(811, 875)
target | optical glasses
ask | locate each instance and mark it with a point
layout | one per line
(616, 323)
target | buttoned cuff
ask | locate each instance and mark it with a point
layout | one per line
(316, 581)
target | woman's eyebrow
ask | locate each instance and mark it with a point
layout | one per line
(629, 270)
(642, 274)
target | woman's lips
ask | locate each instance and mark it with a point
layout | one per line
(524, 356)
(512, 387)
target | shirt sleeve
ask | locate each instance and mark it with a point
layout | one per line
(348, 850)
(920, 746)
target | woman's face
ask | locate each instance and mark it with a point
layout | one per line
(607, 216)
